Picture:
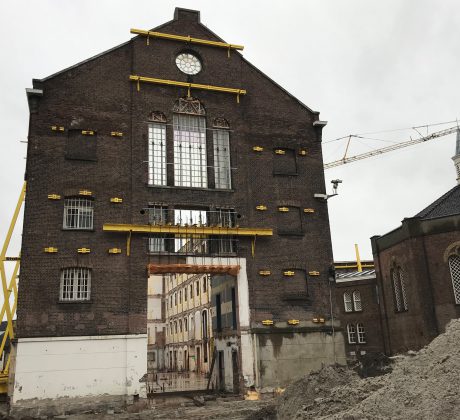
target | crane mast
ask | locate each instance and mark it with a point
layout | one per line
(387, 149)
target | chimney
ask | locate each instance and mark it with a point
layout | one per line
(187, 14)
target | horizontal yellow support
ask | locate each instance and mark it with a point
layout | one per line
(12, 259)
(308, 210)
(354, 266)
(293, 321)
(54, 196)
(87, 132)
(114, 251)
(289, 273)
(267, 322)
(265, 272)
(283, 209)
(187, 230)
(83, 250)
(188, 39)
(313, 273)
(280, 152)
(261, 207)
(50, 250)
(258, 149)
(85, 192)
(116, 200)
(138, 79)
(57, 128)
(116, 134)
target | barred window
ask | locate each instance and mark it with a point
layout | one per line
(347, 302)
(222, 171)
(454, 265)
(357, 301)
(351, 331)
(361, 333)
(190, 163)
(225, 245)
(157, 154)
(75, 284)
(399, 289)
(78, 213)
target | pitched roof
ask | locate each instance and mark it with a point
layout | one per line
(447, 205)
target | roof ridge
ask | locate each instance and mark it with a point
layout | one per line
(431, 207)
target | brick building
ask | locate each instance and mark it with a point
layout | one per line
(418, 273)
(174, 121)
(358, 304)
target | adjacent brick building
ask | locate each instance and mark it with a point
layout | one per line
(177, 154)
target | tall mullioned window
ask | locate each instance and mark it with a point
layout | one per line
(399, 289)
(221, 146)
(190, 161)
(75, 284)
(157, 150)
(78, 213)
(454, 265)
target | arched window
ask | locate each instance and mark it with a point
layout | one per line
(357, 301)
(175, 327)
(399, 289)
(361, 333)
(204, 318)
(351, 331)
(180, 296)
(454, 265)
(180, 325)
(185, 324)
(347, 303)
(221, 146)
(205, 284)
(190, 161)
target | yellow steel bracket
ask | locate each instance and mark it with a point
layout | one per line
(128, 243)
(138, 79)
(11, 287)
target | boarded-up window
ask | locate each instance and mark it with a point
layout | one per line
(81, 145)
(289, 220)
(284, 162)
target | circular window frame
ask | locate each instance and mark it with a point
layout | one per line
(193, 56)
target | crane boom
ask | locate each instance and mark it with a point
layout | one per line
(387, 149)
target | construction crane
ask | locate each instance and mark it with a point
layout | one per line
(387, 149)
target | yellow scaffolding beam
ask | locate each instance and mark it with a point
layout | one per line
(9, 288)
(189, 39)
(187, 230)
(138, 79)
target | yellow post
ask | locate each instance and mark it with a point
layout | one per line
(358, 259)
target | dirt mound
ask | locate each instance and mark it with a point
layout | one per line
(422, 385)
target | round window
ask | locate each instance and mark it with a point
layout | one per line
(188, 63)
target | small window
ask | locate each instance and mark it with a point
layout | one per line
(157, 151)
(158, 215)
(175, 327)
(78, 213)
(361, 333)
(454, 265)
(197, 286)
(357, 301)
(180, 325)
(175, 299)
(185, 294)
(205, 284)
(75, 284)
(180, 297)
(351, 333)
(185, 324)
(347, 302)
(191, 291)
(284, 162)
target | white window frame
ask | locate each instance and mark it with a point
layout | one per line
(222, 168)
(361, 333)
(347, 302)
(157, 154)
(357, 303)
(454, 267)
(78, 213)
(75, 285)
(351, 332)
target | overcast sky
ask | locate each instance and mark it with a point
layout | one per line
(366, 65)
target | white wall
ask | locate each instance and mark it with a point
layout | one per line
(52, 367)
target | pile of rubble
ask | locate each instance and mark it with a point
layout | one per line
(421, 385)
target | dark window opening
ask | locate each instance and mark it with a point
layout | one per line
(81, 145)
(289, 221)
(218, 313)
(284, 162)
(234, 309)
